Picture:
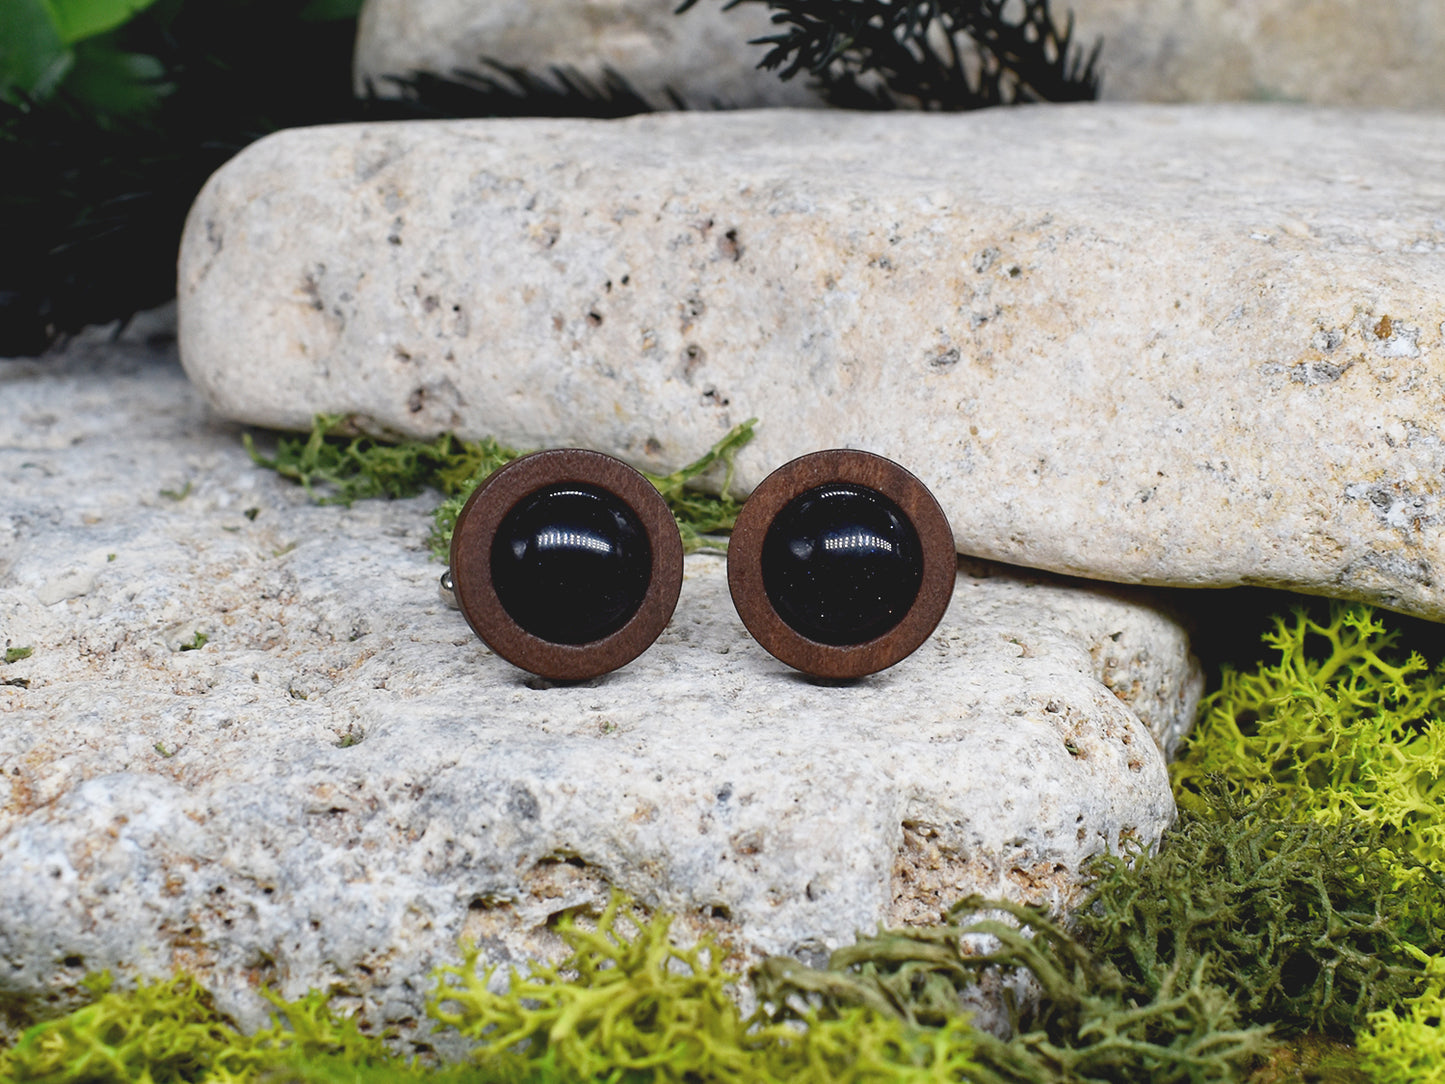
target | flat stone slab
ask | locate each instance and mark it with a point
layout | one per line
(339, 781)
(1170, 345)
(1328, 52)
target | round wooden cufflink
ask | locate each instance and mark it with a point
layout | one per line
(567, 563)
(841, 563)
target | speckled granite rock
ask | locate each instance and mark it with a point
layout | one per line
(340, 781)
(1171, 345)
(1329, 52)
(701, 56)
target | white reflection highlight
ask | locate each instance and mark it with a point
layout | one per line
(858, 540)
(554, 538)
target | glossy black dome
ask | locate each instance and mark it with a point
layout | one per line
(841, 564)
(571, 563)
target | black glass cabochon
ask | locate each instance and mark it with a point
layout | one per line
(571, 563)
(841, 564)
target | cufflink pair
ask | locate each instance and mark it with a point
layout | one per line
(568, 563)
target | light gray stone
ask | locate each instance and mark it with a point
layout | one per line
(1328, 52)
(701, 56)
(342, 781)
(1170, 345)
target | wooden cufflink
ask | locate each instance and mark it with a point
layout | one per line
(567, 563)
(841, 563)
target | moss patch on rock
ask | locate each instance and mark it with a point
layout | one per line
(338, 465)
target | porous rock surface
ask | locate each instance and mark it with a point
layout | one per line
(701, 57)
(339, 781)
(1187, 345)
(1328, 52)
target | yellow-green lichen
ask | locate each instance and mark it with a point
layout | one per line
(170, 1031)
(1338, 727)
(1407, 1045)
(629, 1004)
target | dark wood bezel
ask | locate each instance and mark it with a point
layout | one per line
(471, 562)
(745, 567)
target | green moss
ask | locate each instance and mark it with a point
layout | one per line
(1339, 727)
(1092, 1023)
(628, 1004)
(338, 1070)
(1297, 920)
(1187, 960)
(1407, 1046)
(171, 1031)
(1312, 1059)
(335, 468)
(15, 654)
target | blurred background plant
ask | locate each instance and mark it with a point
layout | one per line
(112, 115)
(943, 55)
(114, 112)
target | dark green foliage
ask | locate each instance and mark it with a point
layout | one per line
(46, 43)
(81, 210)
(876, 54)
(1090, 1024)
(32, 52)
(99, 176)
(1299, 920)
(501, 90)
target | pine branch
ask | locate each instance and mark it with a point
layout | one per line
(943, 55)
(501, 90)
